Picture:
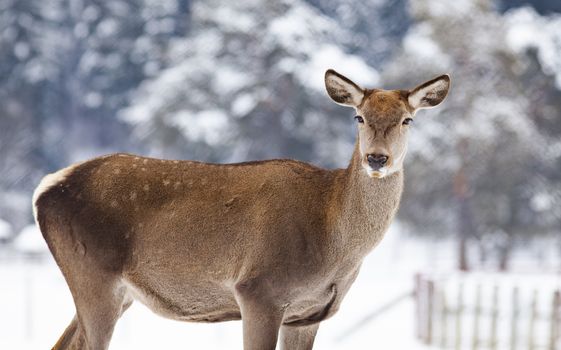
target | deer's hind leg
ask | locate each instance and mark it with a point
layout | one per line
(71, 338)
(298, 338)
(98, 307)
(91, 265)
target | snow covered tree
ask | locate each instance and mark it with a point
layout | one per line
(377, 26)
(481, 152)
(247, 83)
(68, 66)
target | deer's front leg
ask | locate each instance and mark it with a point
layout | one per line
(298, 338)
(261, 317)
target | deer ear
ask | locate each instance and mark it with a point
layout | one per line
(342, 90)
(429, 94)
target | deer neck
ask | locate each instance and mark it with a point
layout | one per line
(366, 205)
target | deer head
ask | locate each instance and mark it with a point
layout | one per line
(384, 117)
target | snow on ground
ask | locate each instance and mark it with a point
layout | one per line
(30, 241)
(36, 306)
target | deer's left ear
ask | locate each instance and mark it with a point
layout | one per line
(429, 94)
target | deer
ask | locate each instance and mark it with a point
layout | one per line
(275, 243)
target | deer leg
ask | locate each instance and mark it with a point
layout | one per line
(99, 304)
(72, 338)
(98, 313)
(298, 338)
(261, 318)
(260, 326)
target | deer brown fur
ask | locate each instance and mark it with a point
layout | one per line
(276, 243)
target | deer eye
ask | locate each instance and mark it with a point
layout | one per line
(407, 121)
(359, 119)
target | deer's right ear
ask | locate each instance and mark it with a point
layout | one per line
(342, 90)
(429, 94)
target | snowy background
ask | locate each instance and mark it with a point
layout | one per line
(228, 81)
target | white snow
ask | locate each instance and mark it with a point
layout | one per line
(5, 229)
(91, 13)
(214, 69)
(542, 201)
(295, 29)
(527, 29)
(93, 99)
(243, 104)
(107, 27)
(31, 241)
(237, 21)
(210, 126)
(309, 35)
(89, 61)
(444, 8)
(330, 56)
(228, 79)
(419, 44)
(22, 50)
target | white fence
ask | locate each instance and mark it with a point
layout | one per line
(489, 311)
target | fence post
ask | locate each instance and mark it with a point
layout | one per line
(533, 316)
(475, 342)
(494, 317)
(418, 310)
(443, 319)
(554, 320)
(514, 320)
(430, 310)
(459, 312)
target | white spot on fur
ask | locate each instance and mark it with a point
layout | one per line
(380, 173)
(133, 195)
(143, 169)
(146, 187)
(50, 181)
(176, 185)
(145, 161)
(166, 182)
(175, 162)
(117, 171)
(134, 165)
(114, 204)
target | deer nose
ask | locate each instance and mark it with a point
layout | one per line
(377, 161)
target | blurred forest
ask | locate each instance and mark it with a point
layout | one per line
(228, 81)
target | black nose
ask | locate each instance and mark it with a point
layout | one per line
(377, 161)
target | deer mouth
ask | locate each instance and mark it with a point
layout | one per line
(377, 174)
